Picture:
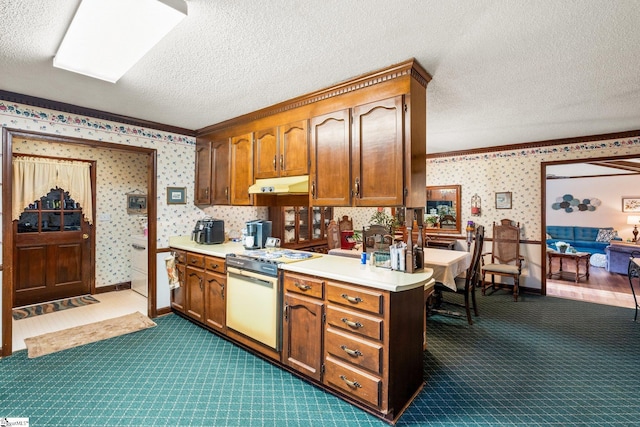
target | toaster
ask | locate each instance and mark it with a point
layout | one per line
(208, 231)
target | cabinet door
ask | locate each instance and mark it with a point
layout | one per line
(215, 307)
(294, 149)
(241, 169)
(378, 153)
(330, 159)
(195, 293)
(177, 294)
(203, 173)
(302, 335)
(221, 160)
(267, 159)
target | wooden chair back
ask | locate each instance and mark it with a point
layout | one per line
(506, 242)
(345, 223)
(376, 237)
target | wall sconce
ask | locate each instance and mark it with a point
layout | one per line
(634, 220)
(475, 205)
(107, 37)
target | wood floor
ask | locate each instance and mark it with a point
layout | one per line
(602, 287)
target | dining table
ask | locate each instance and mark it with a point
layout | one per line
(446, 265)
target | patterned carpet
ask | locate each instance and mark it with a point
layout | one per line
(50, 307)
(538, 362)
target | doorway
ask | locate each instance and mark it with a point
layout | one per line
(592, 178)
(8, 268)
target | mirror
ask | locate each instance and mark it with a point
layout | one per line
(442, 213)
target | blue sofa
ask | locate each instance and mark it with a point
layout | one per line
(583, 239)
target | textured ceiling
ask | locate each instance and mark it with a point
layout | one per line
(504, 72)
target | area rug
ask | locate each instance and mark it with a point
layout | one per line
(52, 306)
(80, 335)
(598, 260)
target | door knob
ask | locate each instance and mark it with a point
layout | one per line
(85, 236)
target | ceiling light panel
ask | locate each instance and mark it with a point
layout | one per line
(107, 37)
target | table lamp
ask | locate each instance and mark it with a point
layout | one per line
(634, 220)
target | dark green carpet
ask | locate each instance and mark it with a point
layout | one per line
(540, 361)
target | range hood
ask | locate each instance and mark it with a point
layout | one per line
(284, 185)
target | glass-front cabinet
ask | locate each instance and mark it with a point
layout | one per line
(56, 211)
(301, 227)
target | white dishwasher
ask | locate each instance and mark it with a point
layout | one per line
(139, 265)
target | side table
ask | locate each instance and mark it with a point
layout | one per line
(576, 257)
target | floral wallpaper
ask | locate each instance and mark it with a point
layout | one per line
(517, 171)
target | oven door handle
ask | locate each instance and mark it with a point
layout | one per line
(250, 276)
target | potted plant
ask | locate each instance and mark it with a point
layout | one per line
(562, 246)
(384, 219)
(431, 220)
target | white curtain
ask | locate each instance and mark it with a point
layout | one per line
(34, 177)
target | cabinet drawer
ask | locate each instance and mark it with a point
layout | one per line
(195, 260)
(304, 285)
(215, 264)
(354, 350)
(362, 299)
(181, 256)
(357, 323)
(353, 382)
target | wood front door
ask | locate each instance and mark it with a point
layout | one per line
(52, 251)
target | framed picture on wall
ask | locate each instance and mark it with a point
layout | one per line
(176, 195)
(631, 204)
(503, 200)
(136, 203)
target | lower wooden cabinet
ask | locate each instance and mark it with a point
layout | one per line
(366, 342)
(201, 294)
(214, 302)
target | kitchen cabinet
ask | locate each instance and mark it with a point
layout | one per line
(203, 173)
(194, 280)
(282, 151)
(377, 156)
(372, 350)
(212, 172)
(220, 172)
(302, 324)
(214, 301)
(301, 227)
(201, 294)
(242, 170)
(366, 167)
(331, 159)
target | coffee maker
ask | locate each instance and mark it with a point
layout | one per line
(259, 229)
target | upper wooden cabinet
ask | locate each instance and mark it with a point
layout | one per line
(362, 141)
(212, 172)
(241, 169)
(330, 159)
(377, 155)
(282, 151)
(203, 173)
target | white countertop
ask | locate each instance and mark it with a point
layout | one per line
(333, 267)
(350, 270)
(221, 250)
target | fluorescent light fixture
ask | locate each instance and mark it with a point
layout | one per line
(107, 37)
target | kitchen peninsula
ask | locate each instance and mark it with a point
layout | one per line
(354, 330)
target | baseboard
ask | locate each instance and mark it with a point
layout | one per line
(112, 288)
(163, 311)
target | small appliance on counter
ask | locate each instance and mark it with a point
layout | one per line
(257, 232)
(208, 231)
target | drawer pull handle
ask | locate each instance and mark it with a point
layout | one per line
(352, 384)
(302, 286)
(214, 266)
(352, 324)
(354, 300)
(350, 352)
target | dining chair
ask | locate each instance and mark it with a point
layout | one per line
(376, 237)
(333, 235)
(634, 273)
(505, 256)
(464, 285)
